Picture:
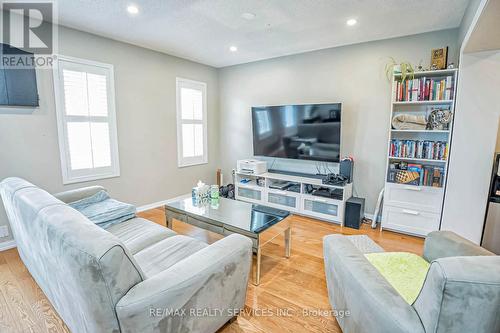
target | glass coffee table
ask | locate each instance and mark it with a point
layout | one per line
(225, 216)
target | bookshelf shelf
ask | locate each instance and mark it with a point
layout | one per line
(419, 131)
(447, 101)
(442, 72)
(414, 188)
(418, 160)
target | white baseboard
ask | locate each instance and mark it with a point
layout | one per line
(10, 244)
(151, 206)
(369, 216)
(158, 204)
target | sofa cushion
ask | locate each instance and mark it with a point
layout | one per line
(138, 233)
(162, 255)
(404, 271)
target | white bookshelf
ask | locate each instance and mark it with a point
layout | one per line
(413, 209)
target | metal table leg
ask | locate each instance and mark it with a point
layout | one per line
(288, 241)
(257, 267)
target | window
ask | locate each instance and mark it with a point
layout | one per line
(263, 123)
(86, 120)
(289, 116)
(191, 122)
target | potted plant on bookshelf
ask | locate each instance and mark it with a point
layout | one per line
(404, 68)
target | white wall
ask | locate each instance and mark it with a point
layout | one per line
(353, 75)
(145, 108)
(474, 142)
(498, 137)
(468, 19)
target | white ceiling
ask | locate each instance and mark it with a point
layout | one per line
(203, 30)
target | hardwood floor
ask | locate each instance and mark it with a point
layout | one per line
(288, 286)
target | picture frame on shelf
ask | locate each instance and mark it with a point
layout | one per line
(439, 58)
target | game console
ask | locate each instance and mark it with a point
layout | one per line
(251, 167)
(334, 179)
(330, 193)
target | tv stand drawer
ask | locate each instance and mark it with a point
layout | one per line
(327, 209)
(283, 199)
(246, 193)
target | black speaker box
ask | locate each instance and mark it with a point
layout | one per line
(354, 211)
(346, 169)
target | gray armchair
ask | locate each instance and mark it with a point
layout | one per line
(461, 292)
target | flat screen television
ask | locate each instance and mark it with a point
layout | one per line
(17, 85)
(303, 132)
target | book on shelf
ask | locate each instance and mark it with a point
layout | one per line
(424, 89)
(415, 174)
(429, 150)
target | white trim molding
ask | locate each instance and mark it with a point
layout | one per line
(182, 160)
(153, 205)
(158, 204)
(7, 245)
(71, 175)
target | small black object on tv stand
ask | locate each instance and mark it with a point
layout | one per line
(298, 174)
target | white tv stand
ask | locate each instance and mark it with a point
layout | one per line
(298, 200)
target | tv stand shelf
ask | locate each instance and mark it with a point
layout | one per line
(259, 190)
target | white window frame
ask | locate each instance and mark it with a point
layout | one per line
(268, 131)
(70, 176)
(196, 160)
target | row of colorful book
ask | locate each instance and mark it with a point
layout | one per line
(430, 150)
(424, 89)
(416, 174)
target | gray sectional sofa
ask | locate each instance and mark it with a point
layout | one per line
(461, 292)
(137, 276)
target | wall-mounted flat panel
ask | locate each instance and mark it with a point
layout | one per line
(17, 84)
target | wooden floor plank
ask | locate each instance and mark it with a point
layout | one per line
(7, 321)
(22, 314)
(291, 288)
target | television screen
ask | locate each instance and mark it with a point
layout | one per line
(17, 85)
(305, 132)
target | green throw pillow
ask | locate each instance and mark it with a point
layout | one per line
(404, 271)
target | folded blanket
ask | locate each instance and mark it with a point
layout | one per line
(409, 122)
(104, 211)
(406, 272)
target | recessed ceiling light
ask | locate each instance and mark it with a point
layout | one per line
(233, 48)
(132, 9)
(248, 16)
(351, 22)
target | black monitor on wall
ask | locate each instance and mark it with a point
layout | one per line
(303, 132)
(17, 85)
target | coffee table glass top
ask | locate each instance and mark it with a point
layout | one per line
(238, 214)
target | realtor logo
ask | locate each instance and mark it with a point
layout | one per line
(28, 33)
(28, 26)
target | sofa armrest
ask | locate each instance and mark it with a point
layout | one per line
(78, 194)
(441, 244)
(467, 288)
(355, 285)
(197, 294)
